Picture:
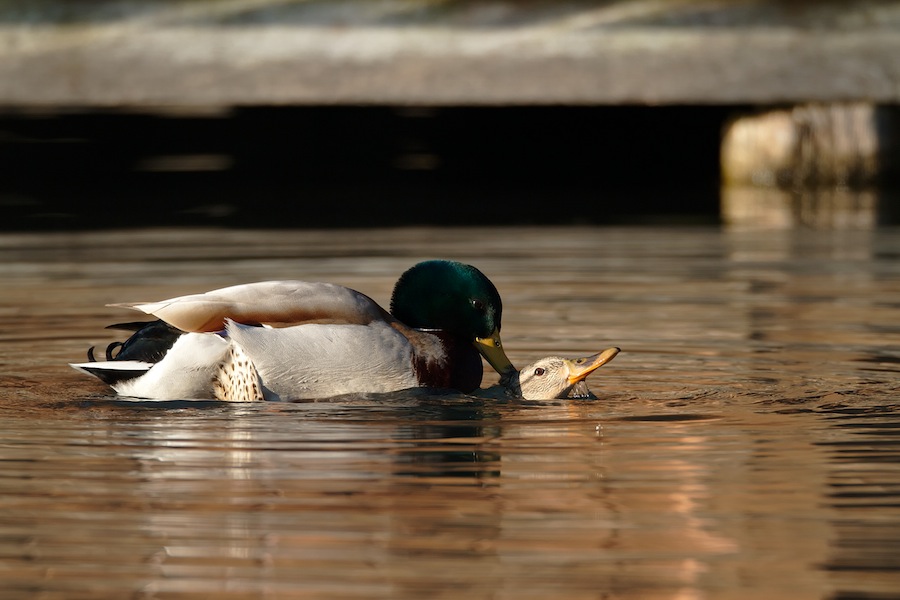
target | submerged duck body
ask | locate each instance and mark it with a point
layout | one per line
(298, 339)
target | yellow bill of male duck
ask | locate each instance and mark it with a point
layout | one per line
(291, 340)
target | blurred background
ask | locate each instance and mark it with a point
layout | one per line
(298, 113)
(747, 439)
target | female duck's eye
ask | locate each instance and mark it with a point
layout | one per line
(539, 371)
(478, 304)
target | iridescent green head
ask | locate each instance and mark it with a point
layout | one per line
(454, 297)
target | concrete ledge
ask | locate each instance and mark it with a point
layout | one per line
(432, 52)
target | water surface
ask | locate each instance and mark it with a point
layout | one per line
(745, 443)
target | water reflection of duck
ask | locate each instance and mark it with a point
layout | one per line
(552, 377)
(298, 339)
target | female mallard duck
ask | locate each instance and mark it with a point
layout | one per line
(298, 339)
(551, 377)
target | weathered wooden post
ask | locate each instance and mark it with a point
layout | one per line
(818, 165)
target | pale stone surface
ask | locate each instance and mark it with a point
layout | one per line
(227, 52)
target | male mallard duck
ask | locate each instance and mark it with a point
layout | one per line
(552, 377)
(298, 339)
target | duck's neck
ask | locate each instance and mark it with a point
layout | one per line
(458, 368)
(510, 384)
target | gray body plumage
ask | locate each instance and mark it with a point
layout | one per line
(318, 360)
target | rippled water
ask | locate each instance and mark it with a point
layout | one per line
(746, 443)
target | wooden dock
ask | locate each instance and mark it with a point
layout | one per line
(114, 53)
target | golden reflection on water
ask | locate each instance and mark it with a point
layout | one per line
(745, 443)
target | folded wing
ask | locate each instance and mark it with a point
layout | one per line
(275, 303)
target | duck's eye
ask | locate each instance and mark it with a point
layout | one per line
(539, 371)
(478, 304)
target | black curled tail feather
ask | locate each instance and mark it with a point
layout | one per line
(109, 351)
(149, 343)
(110, 348)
